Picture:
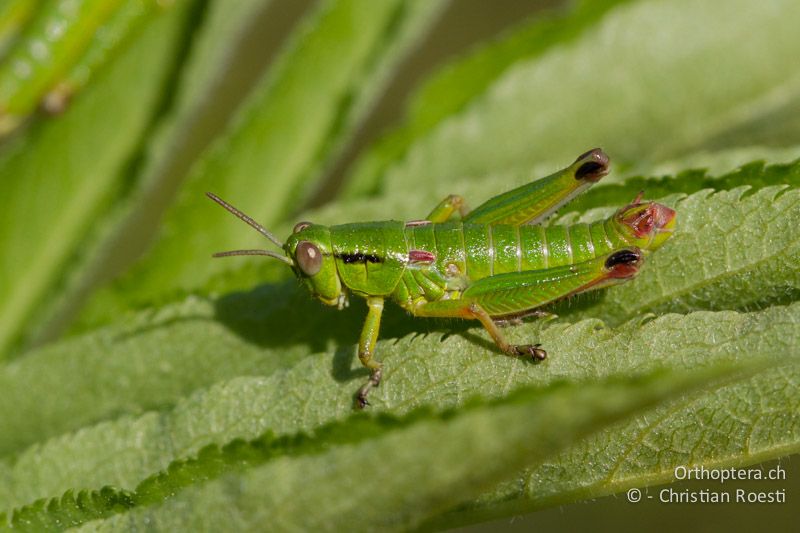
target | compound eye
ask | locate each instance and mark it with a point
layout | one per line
(300, 226)
(308, 257)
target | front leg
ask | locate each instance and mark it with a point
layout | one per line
(366, 348)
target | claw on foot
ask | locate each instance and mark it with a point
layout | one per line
(373, 381)
(361, 400)
(532, 351)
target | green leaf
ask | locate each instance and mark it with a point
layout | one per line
(13, 15)
(147, 361)
(293, 125)
(623, 85)
(361, 454)
(722, 429)
(197, 406)
(62, 172)
(319, 389)
(755, 175)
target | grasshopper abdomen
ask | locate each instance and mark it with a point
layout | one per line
(476, 251)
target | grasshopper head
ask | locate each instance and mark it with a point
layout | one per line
(648, 224)
(309, 248)
(307, 251)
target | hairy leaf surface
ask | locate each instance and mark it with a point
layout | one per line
(327, 472)
(427, 371)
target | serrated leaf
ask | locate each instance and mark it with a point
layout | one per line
(56, 180)
(755, 175)
(722, 429)
(500, 436)
(622, 86)
(419, 371)
(610, 193)
(715, 162)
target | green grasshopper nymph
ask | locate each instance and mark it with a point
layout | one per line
(492, 264)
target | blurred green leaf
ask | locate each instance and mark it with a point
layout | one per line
(299, 117)
(13, 14)
(650, 81)
(61, 173)
(452, 88)
(133, 218)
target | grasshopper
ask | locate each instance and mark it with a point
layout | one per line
(493, 264)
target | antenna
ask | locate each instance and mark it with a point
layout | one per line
(255, 252)
(249, 221)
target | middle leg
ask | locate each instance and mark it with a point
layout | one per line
(366, 348)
